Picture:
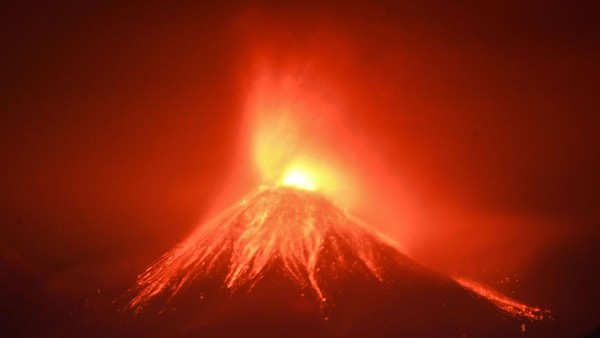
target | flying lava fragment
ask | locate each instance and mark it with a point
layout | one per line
(291, 242)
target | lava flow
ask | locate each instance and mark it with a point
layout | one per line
(301, 231)
(292, 231)
(303, 234)
(505, 303)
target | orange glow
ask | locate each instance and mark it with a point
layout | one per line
(296, 177)
(507, 304)
(288, 126)
(293, 222)
(300, 231)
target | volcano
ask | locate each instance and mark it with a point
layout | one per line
(290, 262)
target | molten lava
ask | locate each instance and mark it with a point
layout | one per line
(503, 302)
(288, 125)
(275, 225)
(301, 234)
(299, 179)
(290, 230)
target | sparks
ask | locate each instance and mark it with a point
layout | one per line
(507, 304)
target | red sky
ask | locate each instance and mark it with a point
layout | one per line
(472, 127)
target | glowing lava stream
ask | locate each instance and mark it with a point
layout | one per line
(289, 224)
(276, 224)
(503, 302)
(306, 236)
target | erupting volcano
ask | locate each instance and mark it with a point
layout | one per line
(319, 267)
(289, 260)
(300, 233)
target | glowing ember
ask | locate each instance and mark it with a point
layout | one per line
(276, 225)
(503, 302)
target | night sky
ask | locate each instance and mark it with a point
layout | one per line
(122, 129)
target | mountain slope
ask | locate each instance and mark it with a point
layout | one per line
(288, 262)
(307, 235)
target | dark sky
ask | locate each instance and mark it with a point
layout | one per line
(120, 125)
